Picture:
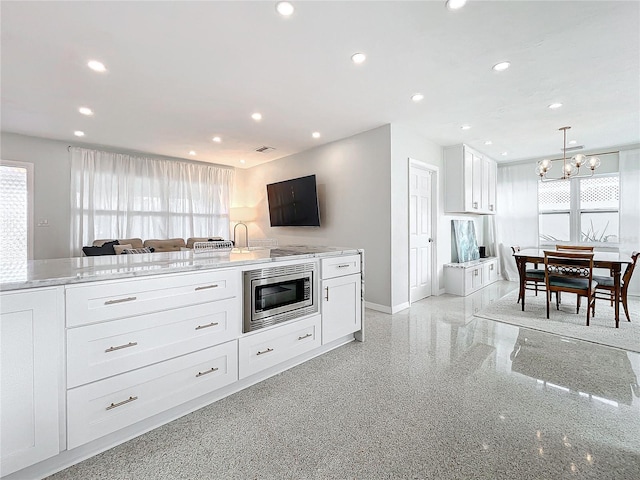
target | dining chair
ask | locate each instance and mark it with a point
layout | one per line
(605, 284)
(586, 248)
(533, 277)
(570, 272)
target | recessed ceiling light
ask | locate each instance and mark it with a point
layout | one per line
(488, 142)
(504, 154)
(553, 106)
(216, 139)
(78, 133)
(85, 111)
(315, 134)
(358, 58)
(192, 152)
(96, 66)
(284, 8)
(455, 4)
(416, 97)
(501, 67)
(242, 161)
(256, 116)
(465, 127)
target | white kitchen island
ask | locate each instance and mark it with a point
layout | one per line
(98, 350)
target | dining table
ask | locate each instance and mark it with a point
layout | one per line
(612, 261)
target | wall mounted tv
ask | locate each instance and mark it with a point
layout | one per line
(294, 203)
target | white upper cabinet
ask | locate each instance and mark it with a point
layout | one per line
(469, 181)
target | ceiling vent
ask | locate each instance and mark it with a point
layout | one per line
(264, 149)
(571, 149)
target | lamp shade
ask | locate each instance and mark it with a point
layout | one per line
(242, 214)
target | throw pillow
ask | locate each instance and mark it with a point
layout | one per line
(139, 250)
(119, 249)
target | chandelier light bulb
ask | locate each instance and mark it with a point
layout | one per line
(578, 160)
(594, 162)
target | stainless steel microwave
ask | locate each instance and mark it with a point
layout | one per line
(277, 294)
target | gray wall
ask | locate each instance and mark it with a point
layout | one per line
(354, 190)
(52, 175)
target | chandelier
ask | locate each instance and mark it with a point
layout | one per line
(570, 167)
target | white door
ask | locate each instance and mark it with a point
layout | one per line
(420, 232)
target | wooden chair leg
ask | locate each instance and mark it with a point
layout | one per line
(588, 309)
(626, 308)
(548, 300)
(578, 305)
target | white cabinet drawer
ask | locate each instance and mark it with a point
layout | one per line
(118, 299)
(339, 266)
(109, 348)
(265, 349)
(103, 407)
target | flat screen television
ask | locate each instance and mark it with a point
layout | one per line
(294, 203)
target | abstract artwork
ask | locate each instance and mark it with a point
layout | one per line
(464, 239)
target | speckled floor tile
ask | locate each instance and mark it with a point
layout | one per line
(434, 393)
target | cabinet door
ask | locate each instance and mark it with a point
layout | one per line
(490, 272)
(493, 173)
(341, 307)
(472, 279)
(476, 193)
(484, 194)
(31, 328)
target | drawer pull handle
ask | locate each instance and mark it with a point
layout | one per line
(120, 300)
(212, 324)
(305, 336)
(344, 265)
(211, 370)
(215, 285)
(120, 347)
(265, 351)
(119, 404)
(327, 297)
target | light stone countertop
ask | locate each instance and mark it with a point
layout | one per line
(66, 271)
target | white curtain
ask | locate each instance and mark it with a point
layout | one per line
(630, 209)
(125, 196)
(517, 217)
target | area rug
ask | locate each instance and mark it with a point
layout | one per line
(566, 323)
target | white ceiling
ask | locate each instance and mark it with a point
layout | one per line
(181, 72)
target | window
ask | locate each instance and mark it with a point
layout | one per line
(124, 196)
(579, 210)
(16, 211)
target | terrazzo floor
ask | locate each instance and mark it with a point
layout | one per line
(433, 393)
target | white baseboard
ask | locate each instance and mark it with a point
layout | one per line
(377, 307)
(402, 306)
(386, 309)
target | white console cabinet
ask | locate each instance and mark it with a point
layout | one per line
(468, 277)
(31, 325)
(470, 181)
(341, 287)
